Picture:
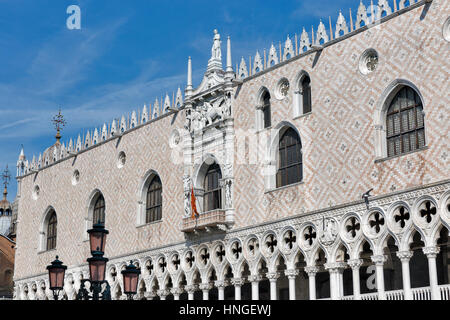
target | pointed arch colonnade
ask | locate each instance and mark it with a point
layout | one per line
(397, 249)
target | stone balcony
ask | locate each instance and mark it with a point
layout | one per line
(206, 221)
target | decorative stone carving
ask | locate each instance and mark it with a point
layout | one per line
(273, 56)
(312, 270)
(431, 252)
(330, 232)
(305, 44)
(321, 34)
(291, 273)
(258, 64)
(405, 255)
(243, 72)
(355, 263)
(228, 193)
(379, 259)
(207, 113)
(341, 26)
(288, 49)
(361, 16)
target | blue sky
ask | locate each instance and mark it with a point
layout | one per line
(126, 54)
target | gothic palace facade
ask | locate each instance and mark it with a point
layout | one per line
(279, 152)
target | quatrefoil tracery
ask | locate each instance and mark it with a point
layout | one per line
(401, 216)
(290, 239)
(220, 253)
(310, 235)
(236, 249)
(427, 211)
(376, 222)
(352, 227)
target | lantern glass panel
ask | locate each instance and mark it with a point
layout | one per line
(130, 281)
(97, 270)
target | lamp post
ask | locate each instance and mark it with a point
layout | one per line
(130, 280)
(97, 267)
(56, 272)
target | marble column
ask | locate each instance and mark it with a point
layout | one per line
(205, 287)
(312, 271)
(255, 279)
(273, 277)
(334, 289)
(237, 283)
(176, 293)
(431, 253)
(355, 264)
(404, 257)
(291, 275)
(379, 261)
(220, 285)
(190, 290)
(163, 294)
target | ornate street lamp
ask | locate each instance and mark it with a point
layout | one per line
(97, 267)
(97, 238)
(130, 280)
(56, 272)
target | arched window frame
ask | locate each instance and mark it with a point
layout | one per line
(289, 148)
(199, 181)
(89, 220)
(52, 231)
(271, 165)
(98, 215)
(301, 96)
(153, 203)
(212, 197)
(44, 230)
(380, 116)
(144, 186)
(263, 110)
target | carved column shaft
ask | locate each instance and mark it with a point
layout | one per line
(404, 257)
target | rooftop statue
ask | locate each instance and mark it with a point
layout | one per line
(216, 52)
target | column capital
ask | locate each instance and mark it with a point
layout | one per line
(237, 282)
(150, 295)
(163, 293)
(176, 291)
(404, 256)
(379, 260)
(220, 283)
(355, 263)
(431, 252)
(312, 270)
(255, 278)
(291, 273)
(205, 286)
(335, 267)
(191, 288)
(273, 276)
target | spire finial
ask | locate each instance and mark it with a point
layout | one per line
(229, 62)
(6, 176)
(59, 123)
(189, 78)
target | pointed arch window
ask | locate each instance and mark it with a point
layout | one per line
(405, 123)
(290, 166)
(52, 231)
(99, 211)
(266, 110)
(306, 94)
(154, 201)
(212, 199)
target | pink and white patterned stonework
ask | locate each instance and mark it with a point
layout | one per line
(343, 157)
